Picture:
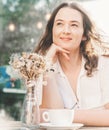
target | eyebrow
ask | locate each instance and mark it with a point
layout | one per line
(73, 21)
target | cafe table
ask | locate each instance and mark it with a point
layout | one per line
(82, 128)
(16, 125)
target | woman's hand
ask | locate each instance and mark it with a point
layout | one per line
(54, 51)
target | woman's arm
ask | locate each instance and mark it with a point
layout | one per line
(51, 96)
(92, 117)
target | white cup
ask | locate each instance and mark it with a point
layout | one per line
(60, 117)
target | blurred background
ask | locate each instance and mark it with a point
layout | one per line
(22, 22)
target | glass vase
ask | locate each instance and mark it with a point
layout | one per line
(31, 112)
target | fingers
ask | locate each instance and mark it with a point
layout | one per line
(55, 50)
(62, 51)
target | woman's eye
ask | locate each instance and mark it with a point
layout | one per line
(74, 25)
(59, 23)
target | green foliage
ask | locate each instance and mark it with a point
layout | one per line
(15, 10)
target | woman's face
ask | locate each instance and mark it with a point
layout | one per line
(68, 29)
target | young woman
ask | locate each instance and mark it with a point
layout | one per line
(79, 75)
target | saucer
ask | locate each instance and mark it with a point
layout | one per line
(73, 126)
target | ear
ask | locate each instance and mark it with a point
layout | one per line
(84, 38)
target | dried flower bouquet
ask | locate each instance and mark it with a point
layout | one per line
(31, 67)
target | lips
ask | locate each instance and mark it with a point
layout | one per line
(65, 38)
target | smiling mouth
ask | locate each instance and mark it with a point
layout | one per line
(66, 38)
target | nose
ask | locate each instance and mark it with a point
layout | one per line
(66, 29)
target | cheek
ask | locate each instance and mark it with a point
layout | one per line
(79, 35)
(78, 32)
(56, 40)
(55, 35)
(56, 31)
